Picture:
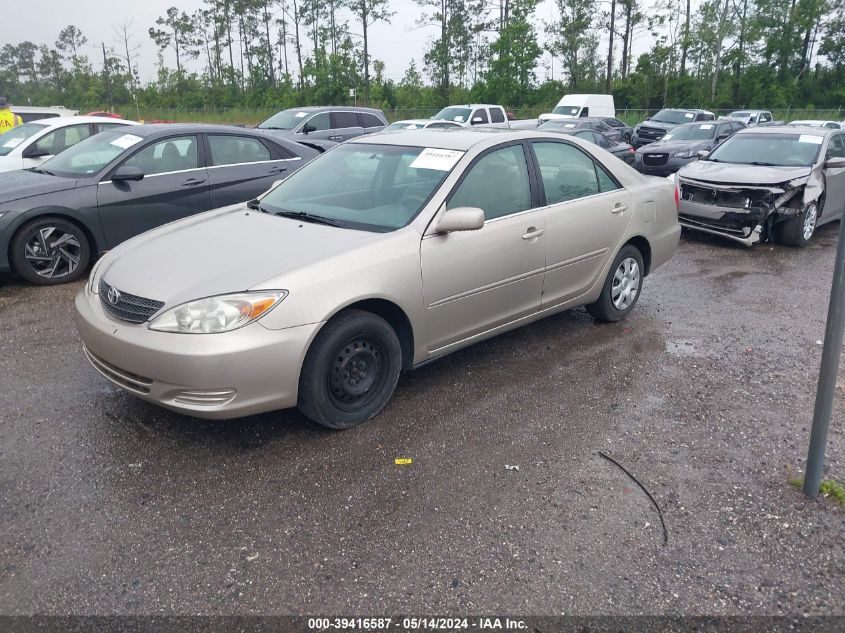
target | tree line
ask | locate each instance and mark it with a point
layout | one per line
(283, 53)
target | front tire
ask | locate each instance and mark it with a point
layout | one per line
(798, 230)
(622, 287)
(350, 370)
(50, 250)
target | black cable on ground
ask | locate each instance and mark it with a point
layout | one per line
(637, 481)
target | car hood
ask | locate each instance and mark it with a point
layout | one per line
(660, 125)
(23, 183)
(673, 146)
(734, 174)
(221, 252)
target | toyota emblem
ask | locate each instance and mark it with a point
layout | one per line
(114, 296)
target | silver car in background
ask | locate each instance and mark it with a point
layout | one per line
(766, 184)
(386, 252)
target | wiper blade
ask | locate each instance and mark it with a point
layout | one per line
(308, 217)
(762, 163)
(38, 170)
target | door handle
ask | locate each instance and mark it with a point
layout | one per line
(193, 182)
(277, 170)
(336, 138)
(619, 208)
(532, 233)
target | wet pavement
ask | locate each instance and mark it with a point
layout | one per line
(111, 505)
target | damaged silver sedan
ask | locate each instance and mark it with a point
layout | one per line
(766, 184)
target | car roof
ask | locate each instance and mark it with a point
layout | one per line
(161, 129)
(473, 105)
(419, 121)
(459, 138)
(330, 108)
(787, 129)
(62, 121)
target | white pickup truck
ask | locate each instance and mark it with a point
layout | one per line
(484, 114)
(753, 118)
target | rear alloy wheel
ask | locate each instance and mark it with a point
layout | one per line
(621, 288)
(350, 371)
(49, 251)
(798, 230)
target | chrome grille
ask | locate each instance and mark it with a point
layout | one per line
(125, 306)
(651, 132)
(653, 160)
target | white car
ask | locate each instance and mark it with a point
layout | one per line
(483, 114)
(833, 125)
(32, 143)
(420, 124)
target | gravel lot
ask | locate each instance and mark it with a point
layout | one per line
(111, 505)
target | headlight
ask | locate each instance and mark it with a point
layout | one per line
(685, 154)
(218, 314)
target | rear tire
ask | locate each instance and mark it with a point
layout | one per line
(798, 230)
(622, 287)
(50, 250)
(350, 370)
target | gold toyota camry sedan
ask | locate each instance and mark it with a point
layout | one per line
(384, 253)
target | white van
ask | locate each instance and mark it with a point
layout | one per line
(575, 106)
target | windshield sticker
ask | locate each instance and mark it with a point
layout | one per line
(439, 159)
(706, 126)
(14, 142)
(568, 125)
(688, 115)
(459, 118)
(810, 138)
(411, 126)
(126, 141)
(299, 115)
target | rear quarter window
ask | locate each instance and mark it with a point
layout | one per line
(497, 115)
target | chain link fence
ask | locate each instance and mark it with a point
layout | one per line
(253, 116)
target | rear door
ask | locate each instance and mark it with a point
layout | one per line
(175, 186)
(587, 214)
(345, 125)
(241, 167)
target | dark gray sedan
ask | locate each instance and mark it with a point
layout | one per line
(681, 146)
(112, 186)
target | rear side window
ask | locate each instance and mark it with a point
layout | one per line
(568, 173)
(481, 113)
(342, 120)
(370, 120)
(59, 140)
(497, 115)
(497, 183)
(233, 150)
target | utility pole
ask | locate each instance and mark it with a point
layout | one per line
(827, 373)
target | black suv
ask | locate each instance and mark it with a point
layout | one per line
(653, 128)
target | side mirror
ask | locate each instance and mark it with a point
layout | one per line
(722, 137)
(127, 172)
(34, 152)
(835, 162)
(702, 153)
(308, 127)
(476, 120)
(460, 219)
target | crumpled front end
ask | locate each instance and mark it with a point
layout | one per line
(743, 212)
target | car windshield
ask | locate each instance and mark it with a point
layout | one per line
(91, 155)
(567, 110)
(405, 125)
(17, 135)
(695, 132)
(673, 116)
(459, 115)
(364, 186)
(740, 115)
(779, 150)
(559, 125)
(284, 120)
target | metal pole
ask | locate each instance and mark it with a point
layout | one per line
(827, 373)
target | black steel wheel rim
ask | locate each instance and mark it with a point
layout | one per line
(357, 373)
(52, 252)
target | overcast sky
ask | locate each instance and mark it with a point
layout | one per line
(40, 21)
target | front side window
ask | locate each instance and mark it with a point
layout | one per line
(90, 156)
(234, 150)
(497, 184)
(765, 117)
(365, 186)
(59, 140)
(319, 122)
(17, 135)
(481, 113)
(836, 147)
(172, 154)
(568, 173)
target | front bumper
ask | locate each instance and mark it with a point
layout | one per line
(736, 224)
(639, 141)
(669, 167)
(214, 376)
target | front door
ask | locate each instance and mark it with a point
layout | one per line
(474, 281)
(834, 196)
(175, 185)
(586, 217)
